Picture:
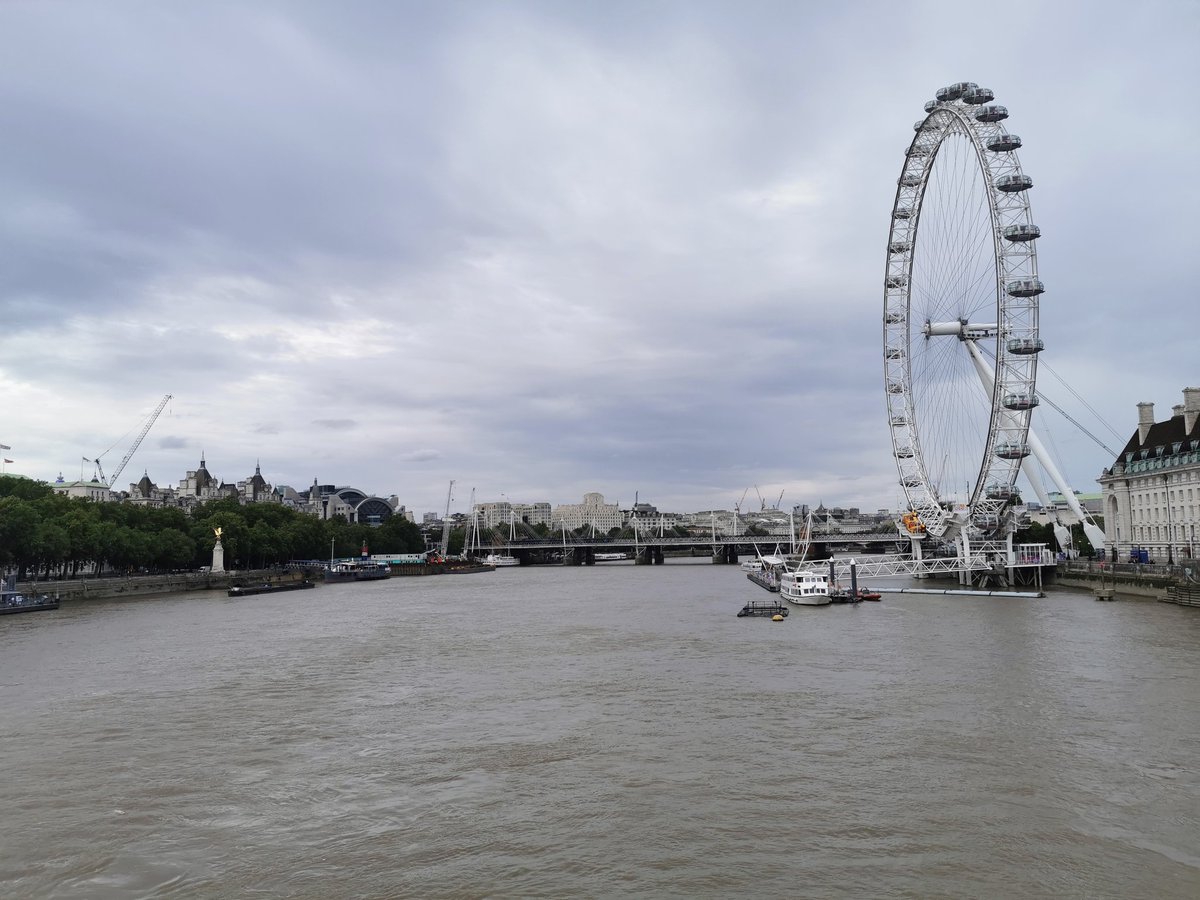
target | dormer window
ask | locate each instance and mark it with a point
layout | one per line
(1175, 446)
(1158, 451)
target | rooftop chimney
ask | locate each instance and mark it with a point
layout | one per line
(1191, 408)
(1145, 420)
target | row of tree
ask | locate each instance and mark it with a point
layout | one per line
(45, 534)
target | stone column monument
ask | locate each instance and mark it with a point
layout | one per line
(218, 563)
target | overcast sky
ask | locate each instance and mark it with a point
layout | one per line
(549, 248)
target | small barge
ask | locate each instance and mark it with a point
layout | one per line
(265, 588)
(763, 608)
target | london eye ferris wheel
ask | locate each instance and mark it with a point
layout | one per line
(960, 317)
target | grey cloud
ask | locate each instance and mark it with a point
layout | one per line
(617, 247)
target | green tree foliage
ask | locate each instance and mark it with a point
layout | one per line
(50, 535)
(1036, 533)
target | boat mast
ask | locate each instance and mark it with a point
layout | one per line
(446, 520)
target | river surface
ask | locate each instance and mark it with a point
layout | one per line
(599, 732)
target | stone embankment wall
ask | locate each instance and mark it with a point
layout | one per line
(1171, 584)
(145, 585)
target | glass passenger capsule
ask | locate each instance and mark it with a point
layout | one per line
(909, 179)
(917, 150)
(930, 105)
(895, 387)
(977, 95)
(1003, 143)
(899, 246)
(894, 353)
(1012, 450)
(1000, 492)
(902, 212)
(1012, 184)
(954, 91)
(904, 453)
(1020, 401)
(1025, 346)
(911, 481)
(986, 521)
(1025, 287)
(896, 281)
(895, 317)
(1022, 232)
(899, 421)
(992, 112)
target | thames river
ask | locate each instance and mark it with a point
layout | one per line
(599, 732)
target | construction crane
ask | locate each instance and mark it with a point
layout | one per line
(780, 500)
(153, 417)
(446, 522)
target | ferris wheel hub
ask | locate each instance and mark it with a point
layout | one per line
(961, 329)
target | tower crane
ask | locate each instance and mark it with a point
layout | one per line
(151, 419)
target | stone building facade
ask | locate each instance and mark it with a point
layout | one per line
(592, 511)
(1151, 492)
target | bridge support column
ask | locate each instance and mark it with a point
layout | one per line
(726, 556)
(574, 556)
(916, 553)
(656, 555)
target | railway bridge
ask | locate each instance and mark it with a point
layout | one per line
(654, 549)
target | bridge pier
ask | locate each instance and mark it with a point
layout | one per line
(649, 556)
(726, 555)
(580, 556)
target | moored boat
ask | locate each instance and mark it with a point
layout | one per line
(246, 590)
(13, 601)
(767, 575)
(804, 588)
(500, 561)
(357, 570)
(843, 595)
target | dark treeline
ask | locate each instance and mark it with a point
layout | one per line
(45, 535)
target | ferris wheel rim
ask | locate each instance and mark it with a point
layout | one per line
(965, 110)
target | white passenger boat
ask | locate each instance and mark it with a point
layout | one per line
(804, 588)
(500, 561)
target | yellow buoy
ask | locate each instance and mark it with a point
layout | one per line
(777, 618)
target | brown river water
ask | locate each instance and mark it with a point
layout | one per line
(599, 732)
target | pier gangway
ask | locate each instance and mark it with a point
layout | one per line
(982, 557)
